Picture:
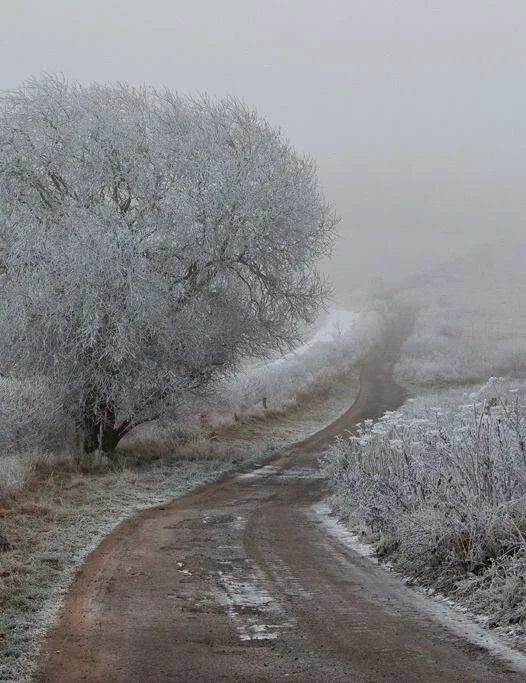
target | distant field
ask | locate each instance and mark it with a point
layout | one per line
(471, 319)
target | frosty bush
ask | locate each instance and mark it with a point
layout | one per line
(444, 488)
(30, 415)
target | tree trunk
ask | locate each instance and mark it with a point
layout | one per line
(100, 430)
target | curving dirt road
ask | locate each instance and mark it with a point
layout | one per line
(242, 581)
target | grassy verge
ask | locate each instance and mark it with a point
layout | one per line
(68, 505)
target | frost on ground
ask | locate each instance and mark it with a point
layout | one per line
(439, 487)
(253, 611)
(67, 506)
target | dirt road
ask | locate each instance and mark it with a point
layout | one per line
(242, 581)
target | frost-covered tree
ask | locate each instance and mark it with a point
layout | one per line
(149, 241)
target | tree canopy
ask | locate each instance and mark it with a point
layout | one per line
(149, 241)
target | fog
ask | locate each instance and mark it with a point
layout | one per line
(414, 110)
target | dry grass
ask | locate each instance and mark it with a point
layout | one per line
(69, 504)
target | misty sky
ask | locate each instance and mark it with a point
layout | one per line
(414, 110)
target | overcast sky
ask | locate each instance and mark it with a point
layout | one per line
(414, 110)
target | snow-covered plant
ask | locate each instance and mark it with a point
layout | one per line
(30, 415)
(444, 486)
(149, 241)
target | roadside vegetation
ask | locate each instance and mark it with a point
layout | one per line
(439, 486)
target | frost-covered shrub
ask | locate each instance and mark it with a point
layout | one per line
(15, 469)
(444, 488)
(30, 415)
